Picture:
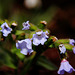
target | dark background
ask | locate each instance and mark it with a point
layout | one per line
(60, 15)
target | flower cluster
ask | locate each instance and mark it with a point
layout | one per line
(38, 41)
(65, 66)
(38, 38)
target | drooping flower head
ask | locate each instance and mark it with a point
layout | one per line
(62, 48)
(26, 25)
(25, 46)
(72, 41)
(65, 66)
(39, 38)
(73, 50)
(5, 29)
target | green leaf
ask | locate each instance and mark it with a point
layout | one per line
(0, 28)
(41, 26)
(20, 55)
(42, 61)
(63, 41)
(68, 47)
(17, 52)
(31, 34)
(1, 22)
(33, 27)
(5, 59)
(18, 32)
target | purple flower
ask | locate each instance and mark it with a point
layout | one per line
(5, 29)
(65, 66)
(73, 50)
(62, 48)
(26, 25)
(72, 41)
(25, 46)
(40, 38)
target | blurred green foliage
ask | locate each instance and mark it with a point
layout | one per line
(43, 61)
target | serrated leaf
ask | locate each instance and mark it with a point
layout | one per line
(42, 61)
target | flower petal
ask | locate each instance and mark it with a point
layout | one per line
(39, 38)
(24, 51)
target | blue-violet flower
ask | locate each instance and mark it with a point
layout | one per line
(25, 46)
(62, 48)
(72, 41)
(40, 38)
(5, 29)
(26, 25)
(65, 66)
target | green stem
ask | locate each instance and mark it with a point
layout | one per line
(31, 62)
